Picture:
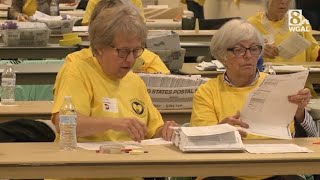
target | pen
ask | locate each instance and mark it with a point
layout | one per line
(317, 142)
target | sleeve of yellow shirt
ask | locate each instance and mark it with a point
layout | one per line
(155, 120)
(203, 110)
(72, 85)
(87, 14)
(153, 63)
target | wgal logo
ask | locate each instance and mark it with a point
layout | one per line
(297, 23)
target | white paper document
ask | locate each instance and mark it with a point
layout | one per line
(290, 68)
(267, 110)
(292, 46)
(125, 144)
(222, 137)
(80, 28)
(275, 148)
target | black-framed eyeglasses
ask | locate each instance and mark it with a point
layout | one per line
(241, 51)
(124, 52)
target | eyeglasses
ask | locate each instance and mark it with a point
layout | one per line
(241, 51)
(124, 52)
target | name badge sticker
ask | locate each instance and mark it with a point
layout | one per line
(110, 105)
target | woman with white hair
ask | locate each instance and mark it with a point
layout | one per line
(273, 24)
(239, 45)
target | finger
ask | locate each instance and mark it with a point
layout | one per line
(135, 133)
(165, 128)
(167, 131)
(143, 125)
(131, 135)
(268, 54)
(237, 115)
(137, 129)
(243, 134)
(243, 124)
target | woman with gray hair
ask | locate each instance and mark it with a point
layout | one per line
(273, 24)
(239, 45)
(112, 102)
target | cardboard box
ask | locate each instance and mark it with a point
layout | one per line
(171, 91)
(27, 34)
(172, 58)
(172, 98)
(59, 26)
(163, 40)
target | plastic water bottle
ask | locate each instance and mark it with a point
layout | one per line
(68, 125)
(269, 69)
(54, 8)
(8, 85)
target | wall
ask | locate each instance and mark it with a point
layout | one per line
(227, 8)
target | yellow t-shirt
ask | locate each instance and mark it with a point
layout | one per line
(84, 80)
(310, 54)
(151, 63)
(215, 100)
(92, 3)
(29, 7)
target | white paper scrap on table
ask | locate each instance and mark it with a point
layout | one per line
(126, 144)
(275, 148)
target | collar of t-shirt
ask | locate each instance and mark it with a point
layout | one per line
(228, 82)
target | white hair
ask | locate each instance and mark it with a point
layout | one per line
(292, 4)
(231, 34)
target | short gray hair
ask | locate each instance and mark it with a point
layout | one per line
(122, 19)
(232, 33)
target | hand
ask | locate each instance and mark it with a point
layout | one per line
(22, 17)
(270, 51)
(301, 99)
(166, 131)
(135, 128)
(236, 121)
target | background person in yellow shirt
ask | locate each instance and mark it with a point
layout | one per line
(22, 9)
(112, 102)
(238, 45)
(148, 62)
(273, 24)
(92, 4)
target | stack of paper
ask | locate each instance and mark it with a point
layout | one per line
(172, 81)
(222, 137)
(214, 65)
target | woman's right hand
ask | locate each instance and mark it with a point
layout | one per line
(135, 128)
(236, 121)
(22, 17)
(270, 51)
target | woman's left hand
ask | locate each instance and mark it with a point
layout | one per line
(166, 131)
(301, 99)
